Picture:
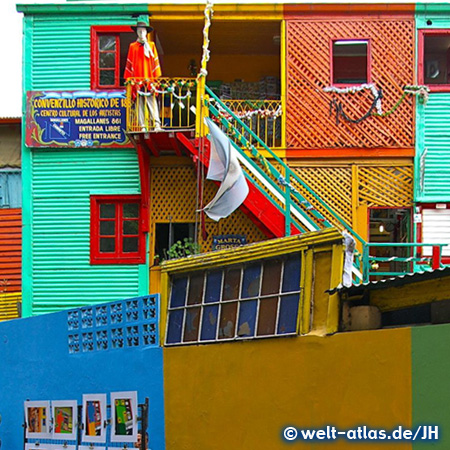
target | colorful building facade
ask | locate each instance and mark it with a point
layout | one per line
(320, 109)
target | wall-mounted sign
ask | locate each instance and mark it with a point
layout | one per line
(228, 241)
(76, 119)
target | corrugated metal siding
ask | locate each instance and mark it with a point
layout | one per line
(10, 305)
(436, 229)
(10, 250)
(62, 181)
(434, 123)
(61, 48)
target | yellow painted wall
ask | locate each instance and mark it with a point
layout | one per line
(226, 68)
(239, 396)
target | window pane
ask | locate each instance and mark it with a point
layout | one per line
(231, 284)
(107, 211)
(436, 62)
(192, 322)
(130, 227)
(250, 285)
(107, 228)
(175, 326)
(350, 61)
(247, 318)
(287, 322)
(130, 244)
(291, 274)
(227, 320)
(107, 77)
(107, 245)
(209, 322)
(106, 42)
(267, 316)
(195, 289)
(107, 60)
(271, 277)
(131, 210)
(213, 286)
(178, 294)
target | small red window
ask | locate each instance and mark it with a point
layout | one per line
(116, 230)
(350, 62)
(109, 49)
(434, 59)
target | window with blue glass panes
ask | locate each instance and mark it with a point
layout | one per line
(253, 300)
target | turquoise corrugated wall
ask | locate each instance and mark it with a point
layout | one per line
(62, 181)
(432, 123)
(58, 183)
(61, 49)
(433, 134)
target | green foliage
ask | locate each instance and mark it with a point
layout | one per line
(182, 249)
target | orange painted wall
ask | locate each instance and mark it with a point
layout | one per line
(241, 395)
(10, 250)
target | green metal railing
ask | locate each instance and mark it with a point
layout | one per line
(294, 201)
(416, 263)
(282, 189)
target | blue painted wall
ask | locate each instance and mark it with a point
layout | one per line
(36, 365)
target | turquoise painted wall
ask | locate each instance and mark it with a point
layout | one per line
(432, 123)
(62, 182)
(58, 183)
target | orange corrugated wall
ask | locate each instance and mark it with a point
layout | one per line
(10, 250)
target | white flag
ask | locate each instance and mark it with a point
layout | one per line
(224, 167)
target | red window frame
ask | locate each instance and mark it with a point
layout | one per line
(96, 32)
(444, 259)
(369, 61)
(421, 63)
(118, 256)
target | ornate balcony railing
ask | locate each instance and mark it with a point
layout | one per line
(263, 117)
(165, 103)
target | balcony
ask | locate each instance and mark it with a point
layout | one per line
(179, 99)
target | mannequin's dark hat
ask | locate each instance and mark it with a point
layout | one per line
(142, 24)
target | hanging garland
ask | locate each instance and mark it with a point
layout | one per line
(206, 53)
(421, 91)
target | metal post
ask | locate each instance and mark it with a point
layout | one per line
(436, 260)
(287, 206)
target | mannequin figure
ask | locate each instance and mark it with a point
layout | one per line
(143, 62)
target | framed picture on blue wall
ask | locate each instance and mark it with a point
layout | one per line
(124, 416)
(94, 418)
(37, 419)
(65, 419)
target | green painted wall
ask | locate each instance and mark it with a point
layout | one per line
(430, 381)
(432, 123)
(58, 183)
(62, 182)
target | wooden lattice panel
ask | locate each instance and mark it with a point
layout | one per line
(309, 123)
(174, 199)
(386, 186)
(333, 185)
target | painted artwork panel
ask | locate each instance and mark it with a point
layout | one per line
(65, 419)
(37, 416)
(76, 119)
(124, 416)
(94, 417)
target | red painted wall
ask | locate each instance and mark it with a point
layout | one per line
(10, 250)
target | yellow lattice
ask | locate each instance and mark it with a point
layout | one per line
(174, 199)
(386, 186)
(333, 185)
